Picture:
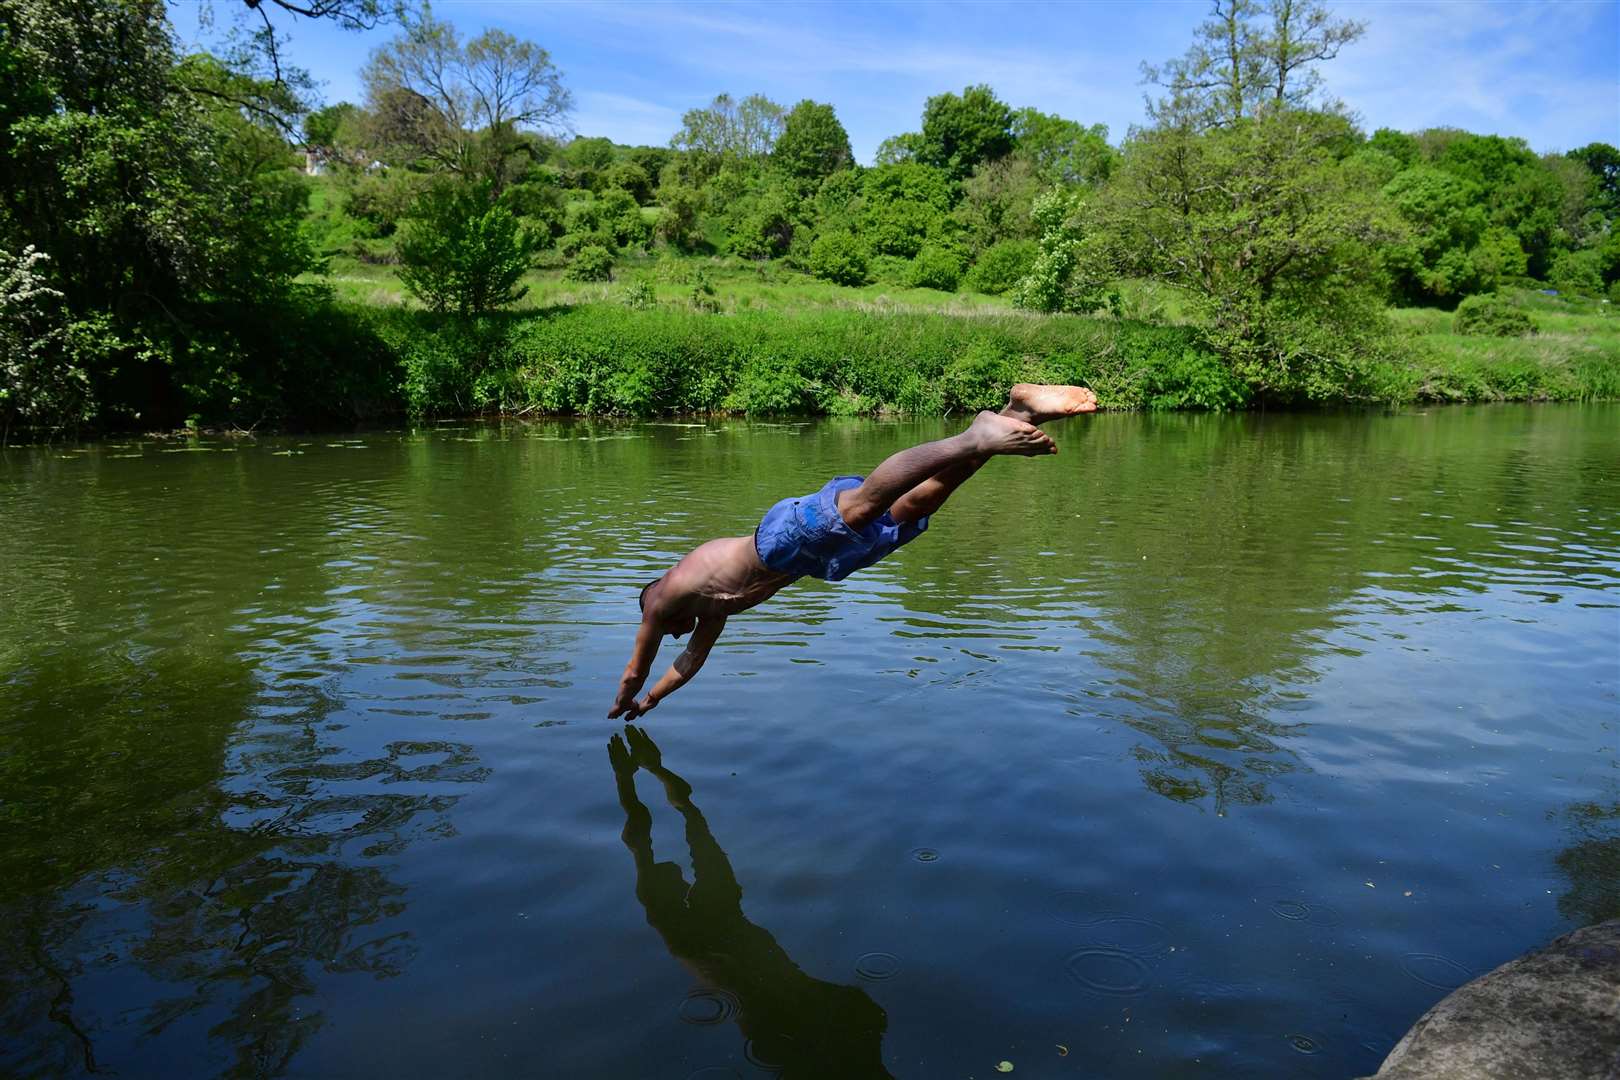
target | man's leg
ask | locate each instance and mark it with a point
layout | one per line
(1029, 403)
(988, 435)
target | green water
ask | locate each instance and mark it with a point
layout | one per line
(1210, 747)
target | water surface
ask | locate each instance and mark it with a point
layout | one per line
(1210, 747)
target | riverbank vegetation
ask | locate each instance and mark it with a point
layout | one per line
(186, 239)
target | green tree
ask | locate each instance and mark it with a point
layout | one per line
(628, 176)
(162, 194)
(813, 144)
(1401, 147)
(901, 205)
(1511, 184)
(651, 159)
(463, 253)
(1603, 161)
(321, 126)
(898, 149)
(763, 223)
(1434, 262)
(1272, 239)
(727, 128)
(620, 216)
(680, 209)
(996, 202)
(462, 106)
(958, 132)
(1063, 151)
(1250, 55)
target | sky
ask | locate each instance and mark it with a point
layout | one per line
(1547, 71)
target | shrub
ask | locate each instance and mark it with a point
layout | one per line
(620, 216)
(459, 253)
(936, 267)
(380, 201)
(571, 244)
(678, 218)
(839, 258)
(703, 297)
(1578, 272)
(889, 270)
(1002, 266)
(593, 263)
(1491, 316)
(630, 177)
(41, 383)
(639, 295)
(978, 378)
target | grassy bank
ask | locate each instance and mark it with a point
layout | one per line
(680, 333)
(600, 355)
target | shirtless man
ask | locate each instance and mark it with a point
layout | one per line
(847, 525)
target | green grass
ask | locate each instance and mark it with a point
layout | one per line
(1575, 354)
(739, 286)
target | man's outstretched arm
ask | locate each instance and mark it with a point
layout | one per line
(686, 665)
(636, 671)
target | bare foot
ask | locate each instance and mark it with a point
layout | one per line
(1038, 404)
(993, 433)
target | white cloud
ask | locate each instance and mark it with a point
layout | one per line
(1497, 68)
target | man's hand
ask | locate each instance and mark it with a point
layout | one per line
(626, 703)
(645, 705)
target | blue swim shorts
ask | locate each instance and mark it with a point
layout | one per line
(807, 536)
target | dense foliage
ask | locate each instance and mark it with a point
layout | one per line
(152, 225)
(1492, 316)
(161, 257)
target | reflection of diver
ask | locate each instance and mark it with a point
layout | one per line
(805, 1027)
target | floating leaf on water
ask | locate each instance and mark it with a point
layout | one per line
(1005, 1066)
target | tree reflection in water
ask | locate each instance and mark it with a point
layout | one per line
(802, 1026)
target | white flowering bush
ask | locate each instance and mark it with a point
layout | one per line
(40, 385)
(1062, 277)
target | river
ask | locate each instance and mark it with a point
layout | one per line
(1213, 746)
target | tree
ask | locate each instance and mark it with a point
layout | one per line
(1059, 279)
(461, 252)
(813, 144)
(679, 210)
(321, 126)
(898, 149)
(39, 387)
(1303, 33)
(1603, 161)
(1249, 55)
(628, 176)
(460, 105)
(168, 211)
(726, 128)
(1063, 151)
(960, 132)
(1511, 184)
(996, 201)
(1271, 238)
(901, 204)
(1435, 261)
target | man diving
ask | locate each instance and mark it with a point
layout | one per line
(849, 524)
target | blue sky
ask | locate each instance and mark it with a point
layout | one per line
(1547, 70)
